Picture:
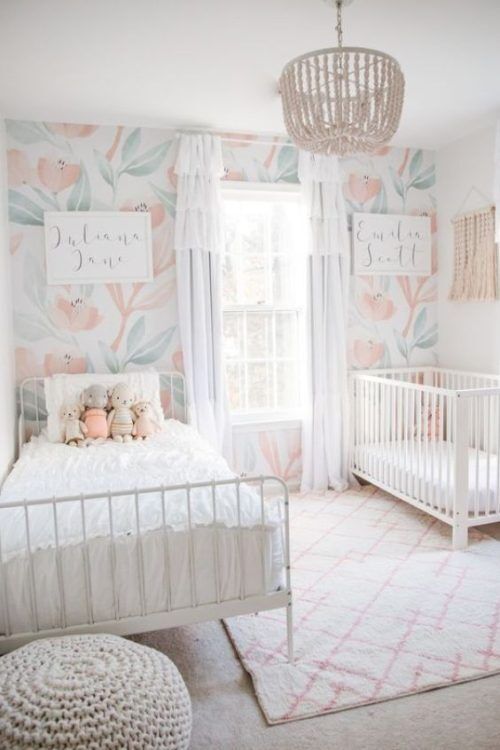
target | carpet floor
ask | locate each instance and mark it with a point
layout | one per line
(382, 607)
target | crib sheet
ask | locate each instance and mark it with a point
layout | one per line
(404, 465)
(142, 564)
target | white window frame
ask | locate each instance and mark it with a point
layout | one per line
(260, 418)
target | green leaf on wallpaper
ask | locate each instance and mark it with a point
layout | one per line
(262, 173)
(110, 357)
(425, 179)
(22, 210)
(105, 168)
(136, 335)
(26, 132)
(147, 162)
(287, 164)
(29, 328)
(420, 322)
(401, 343)
(428, 339)
(34, 282)
(79, 198)
(153, 349)
(416, 163)
(379, 205)
(169, 200)
(129, 148)
(397, 182)
(47, 198)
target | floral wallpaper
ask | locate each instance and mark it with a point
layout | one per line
(114, 327)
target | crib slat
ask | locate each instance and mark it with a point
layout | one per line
(263, 532)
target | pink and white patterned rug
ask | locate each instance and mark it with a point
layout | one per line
(382, 608)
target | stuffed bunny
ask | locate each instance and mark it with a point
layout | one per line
(95, 400)
(74, 429)
(121, 418)
(145, 424)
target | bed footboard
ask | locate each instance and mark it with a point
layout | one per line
(122, 574)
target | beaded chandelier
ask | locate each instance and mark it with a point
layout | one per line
(342, 100)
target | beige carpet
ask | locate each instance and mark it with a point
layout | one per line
(226, 715)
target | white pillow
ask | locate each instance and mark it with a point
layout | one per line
(67, 389)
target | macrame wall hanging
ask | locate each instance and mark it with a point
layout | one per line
(475, 274)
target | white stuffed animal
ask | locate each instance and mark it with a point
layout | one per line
(145, 423)
(121, 418)
(74, 429)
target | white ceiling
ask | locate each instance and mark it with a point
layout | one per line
(215, 63)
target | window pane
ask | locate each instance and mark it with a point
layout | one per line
(229, 280)
(258, 385)
(287, 396)
(233, 335)
(254, 222)
(259, 335)
(286, 334)
(235, 387)
(253, 280)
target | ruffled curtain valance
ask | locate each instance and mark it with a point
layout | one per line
(199, 168)
(321, 183)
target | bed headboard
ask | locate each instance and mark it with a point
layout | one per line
(33, 414)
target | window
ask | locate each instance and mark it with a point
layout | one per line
(263, 303)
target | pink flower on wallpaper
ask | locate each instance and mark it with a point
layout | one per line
(20, 171)
(376, 306)
(171, 176)
(57, 174)
(270, 450)
(178, 360)
(71, 130)
(15, 242)
(74, 314)
(70, 362)
(362, 188)
(232, 174)
(155, 209)
(26, 364)
(367, 353)
(382, 151)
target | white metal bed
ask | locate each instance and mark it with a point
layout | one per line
(431, 437)
(32, 419)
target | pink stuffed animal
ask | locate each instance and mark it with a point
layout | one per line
(145, 424)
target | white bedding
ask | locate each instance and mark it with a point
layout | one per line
(160, 550)
(403, 465)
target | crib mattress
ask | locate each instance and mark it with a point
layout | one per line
(408, 468)
(142, 563)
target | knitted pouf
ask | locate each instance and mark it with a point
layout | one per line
(92, 692)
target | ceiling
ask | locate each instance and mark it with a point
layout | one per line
(215, 63)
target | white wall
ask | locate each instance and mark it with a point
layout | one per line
(7, 386)
(469, 332)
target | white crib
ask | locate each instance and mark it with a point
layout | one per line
(430, 436)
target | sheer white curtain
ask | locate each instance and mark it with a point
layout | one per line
(496, 185)
(199, 242)
(325, 428)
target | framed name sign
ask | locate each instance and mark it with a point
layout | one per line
(391, 244)
(98, 247)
